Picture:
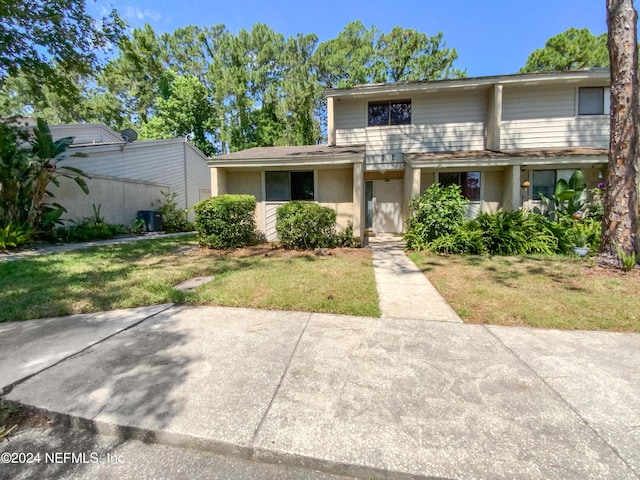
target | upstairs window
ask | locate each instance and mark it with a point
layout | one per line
(391, 112)
(593, 101)
(468, 181)
(284, 186)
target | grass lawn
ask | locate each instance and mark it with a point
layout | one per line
(145, 272)
(548, 292)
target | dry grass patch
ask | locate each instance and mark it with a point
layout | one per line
(548, 292)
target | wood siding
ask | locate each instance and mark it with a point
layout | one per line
(450, 121)
(536, 117)
(85, 133)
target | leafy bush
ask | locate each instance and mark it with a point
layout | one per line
(13, 235)
(87, 231)
(305, 225)
(439, 211)
(516, 233)
(226, 221)
(467, 239)
(174, 219)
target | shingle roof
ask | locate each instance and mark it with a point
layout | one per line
(266, 153)
(506, 154)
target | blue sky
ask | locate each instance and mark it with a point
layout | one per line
(492, 37)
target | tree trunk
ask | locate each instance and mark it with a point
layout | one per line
(620, 224)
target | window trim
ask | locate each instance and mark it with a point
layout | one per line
(388, 104)
(459, 172)
(289, 172)
(606, 101)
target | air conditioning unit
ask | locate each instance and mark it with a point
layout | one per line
(151, 219)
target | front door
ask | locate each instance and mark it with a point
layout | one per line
(387, 206)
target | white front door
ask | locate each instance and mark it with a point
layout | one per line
(387, 206)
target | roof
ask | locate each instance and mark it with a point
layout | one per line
(525, 156)
(305, 154)
(597, 74)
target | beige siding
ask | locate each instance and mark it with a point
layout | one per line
(198, 177)
(248, 183)
(335, 190)
(493, 190)
(442, 121)
(119, 199)
(426, 180)
(536, 117)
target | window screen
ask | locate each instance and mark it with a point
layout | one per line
(544, 182)
(285, 186)
(591, 101)
(469, 183)
(394, 112)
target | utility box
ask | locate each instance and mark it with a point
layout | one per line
(152, 220)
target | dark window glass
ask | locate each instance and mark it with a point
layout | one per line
(401, 112)
(396, 112)
(469, 183)
(544, 182)
(285, 186)
(301, 185)
(591, 101)
(378, 113)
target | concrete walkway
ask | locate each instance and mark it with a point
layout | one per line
(403, 289)
(242, 393)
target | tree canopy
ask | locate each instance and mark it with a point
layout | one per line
(44, 41)
(573, 49)
(226, 91)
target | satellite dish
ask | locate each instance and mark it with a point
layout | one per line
(129, 135)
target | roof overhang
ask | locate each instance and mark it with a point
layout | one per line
(525, 157)
(276, 157)
(524, 79)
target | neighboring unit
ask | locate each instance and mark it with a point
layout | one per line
(504, 139)
(128, 176)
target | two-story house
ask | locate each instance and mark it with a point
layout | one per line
(504, 139)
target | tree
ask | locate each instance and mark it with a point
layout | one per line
(620, 223)
(573, 49)
(36, 36)
(406, 54)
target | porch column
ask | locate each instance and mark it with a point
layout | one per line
(410, 190)
(331, 128)
(358, 200)
(218, 181)
(494, 118)
(511, 185)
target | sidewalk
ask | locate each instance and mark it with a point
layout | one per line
(363, 397)
(414, 394)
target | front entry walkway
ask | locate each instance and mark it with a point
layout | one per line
(403, 289)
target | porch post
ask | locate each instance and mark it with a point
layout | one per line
(218, 181)
(358, 201)
(511, 185)
(410, 190)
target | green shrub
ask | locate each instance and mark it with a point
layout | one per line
(467, 239)
(305, 225)
(226, 221)
(14, 234)
(516, 233)
(439, 211)
(174, 219)
(87, 231)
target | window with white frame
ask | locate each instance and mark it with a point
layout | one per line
(468, 181)
(282, 186)
(389, 112)
(593, 101)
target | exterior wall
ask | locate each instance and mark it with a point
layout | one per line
(249, 183)
(85, 133)
(335, 190)
(547, 117)
(119, 199)
(440, 121)
(165, 162)
(492, 189)
(426, 180)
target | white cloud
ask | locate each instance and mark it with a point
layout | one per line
(131, 13)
